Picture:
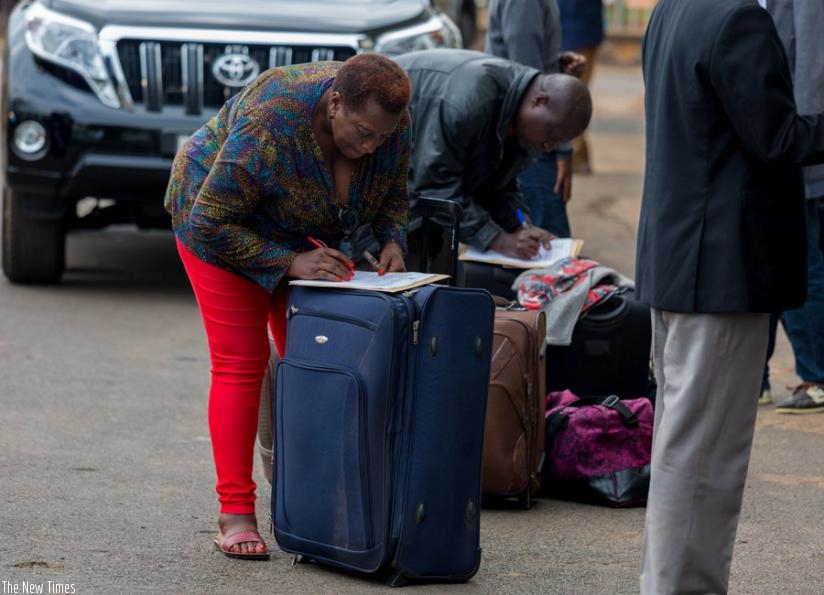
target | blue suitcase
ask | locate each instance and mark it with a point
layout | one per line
(380, 408)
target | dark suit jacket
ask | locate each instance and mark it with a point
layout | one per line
(722, 218)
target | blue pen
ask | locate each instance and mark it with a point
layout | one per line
(521, 218)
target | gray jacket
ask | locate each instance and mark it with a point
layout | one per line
(463, 103)
(800, 26)
(527, 32)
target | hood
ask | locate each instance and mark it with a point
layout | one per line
(327, 16)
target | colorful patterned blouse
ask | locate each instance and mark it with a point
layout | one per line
(251, 184)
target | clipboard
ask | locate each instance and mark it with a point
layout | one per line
(560, 248)
(389, 282)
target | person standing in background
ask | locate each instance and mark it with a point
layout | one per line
(582, 31)
(529, 32)
(800, 26)
(721, 244)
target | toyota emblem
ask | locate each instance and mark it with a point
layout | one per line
(235, 70)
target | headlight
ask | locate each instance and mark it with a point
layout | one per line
(437, 32)
(30, 140)
(70, 43)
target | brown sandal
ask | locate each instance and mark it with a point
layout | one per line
(224, 544)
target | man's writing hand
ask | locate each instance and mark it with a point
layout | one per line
(523, 243)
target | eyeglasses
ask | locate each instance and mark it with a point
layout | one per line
(349, 220)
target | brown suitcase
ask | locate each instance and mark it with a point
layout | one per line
(514, 433)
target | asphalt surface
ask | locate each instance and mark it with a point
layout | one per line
(106, 477)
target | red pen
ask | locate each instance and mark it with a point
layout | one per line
(321, 244)
(316, 243)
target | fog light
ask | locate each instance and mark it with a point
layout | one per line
(30, 139)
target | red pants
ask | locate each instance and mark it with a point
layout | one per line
(235, 312)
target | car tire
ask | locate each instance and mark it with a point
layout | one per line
(34, 250)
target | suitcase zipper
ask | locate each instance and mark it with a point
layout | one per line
(294, 310)
(526, 411)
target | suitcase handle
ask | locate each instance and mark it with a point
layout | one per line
(629, 419)
(600, 313)
(429, 207)
(505, 304)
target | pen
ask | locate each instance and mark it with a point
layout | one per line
(322, 244)
(373, 261)
(316, 243)
(521, 218)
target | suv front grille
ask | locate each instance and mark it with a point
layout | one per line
(163, 73)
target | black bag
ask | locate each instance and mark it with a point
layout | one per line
(609, 353)
(496, 279)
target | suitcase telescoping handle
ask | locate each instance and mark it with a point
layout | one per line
(452, 210)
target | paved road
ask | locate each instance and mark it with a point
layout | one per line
(106, 480)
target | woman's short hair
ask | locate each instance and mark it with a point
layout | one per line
(371, 75)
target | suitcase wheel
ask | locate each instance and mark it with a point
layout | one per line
(525, 499)
(396, 579)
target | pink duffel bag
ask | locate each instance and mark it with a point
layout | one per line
(598, 449)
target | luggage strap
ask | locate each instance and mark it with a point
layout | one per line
(558, 420)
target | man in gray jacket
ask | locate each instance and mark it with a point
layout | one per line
(800, 25)
(476, 120)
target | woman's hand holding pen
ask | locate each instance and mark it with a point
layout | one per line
(391, 259)
(323, 263)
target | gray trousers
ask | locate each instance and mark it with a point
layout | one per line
(708, 368)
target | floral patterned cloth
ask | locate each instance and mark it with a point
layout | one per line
(535, 291)
(249, 187)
